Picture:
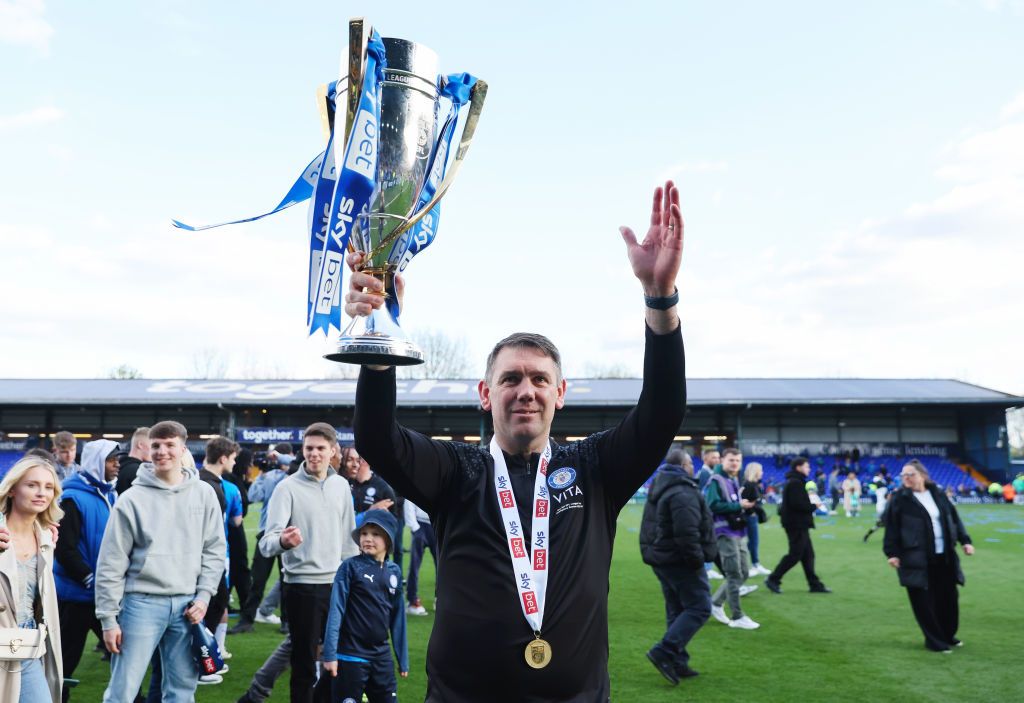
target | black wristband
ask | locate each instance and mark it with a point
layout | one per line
(663, 303)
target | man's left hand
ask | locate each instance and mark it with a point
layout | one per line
(656, 260)
(969, 550)
(195, 612)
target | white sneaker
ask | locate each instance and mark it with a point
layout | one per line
(758, 570)
(223, 670)
(225, 654)
(744, 590)
(714, 575)
(718, 613)
(272, 619)
(416, 610)
(210, 679)
(744, 623)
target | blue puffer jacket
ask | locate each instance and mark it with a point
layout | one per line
(94, 507)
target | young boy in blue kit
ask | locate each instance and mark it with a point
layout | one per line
(366, 604)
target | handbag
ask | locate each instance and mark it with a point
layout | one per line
(19, 644)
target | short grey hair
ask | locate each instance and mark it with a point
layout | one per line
(529, 340)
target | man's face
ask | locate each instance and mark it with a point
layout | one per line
(166, 453)
(111, 467)
(522, 394)
(712, 459)
(228, 462)
(804, 468)
(143, 450)
(731, 463)
(317, 452)
(352, 461)
(66, 455)
(688, 466)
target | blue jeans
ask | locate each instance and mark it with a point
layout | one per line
(149, 623)
(753, 538)
(687, 608)
(34, 688)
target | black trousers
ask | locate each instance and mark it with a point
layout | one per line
(76, 620)
(261, 568)
(241, 578)
(376, 678)
(800, 551)
(217, 607)
(937, 608)
(307, 609)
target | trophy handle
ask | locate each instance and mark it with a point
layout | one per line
(476, 104)
(359, 33)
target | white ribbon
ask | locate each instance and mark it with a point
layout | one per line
(530, 562)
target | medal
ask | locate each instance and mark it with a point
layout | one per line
(530, 560)
(538, 653)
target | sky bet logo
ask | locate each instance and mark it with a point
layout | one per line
(540, 559)
(542, 508)
(518, 550)
(529, 602)
(506, 499)
(362, 156)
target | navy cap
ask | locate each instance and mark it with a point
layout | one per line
(384, 520)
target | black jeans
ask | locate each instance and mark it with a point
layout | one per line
(687, 608)
(937, 608)
(76, 619)
(261, 568)
(307, 609)
(800, 550)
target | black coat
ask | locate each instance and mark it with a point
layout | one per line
(910, 537)
(677, 527)
(796, 511)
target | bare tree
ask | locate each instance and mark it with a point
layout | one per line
(124, 371)
(608, 370)
(208, 362)
(444, 356)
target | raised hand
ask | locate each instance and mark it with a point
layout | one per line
(656, 259)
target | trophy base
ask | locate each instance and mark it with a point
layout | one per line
(376, 340)
(376, 351)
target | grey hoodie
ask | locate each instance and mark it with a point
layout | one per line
(325, 516)
(161, 540)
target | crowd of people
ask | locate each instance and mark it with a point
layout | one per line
(693, 522)
(149, 548)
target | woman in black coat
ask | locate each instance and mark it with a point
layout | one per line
(921, 531)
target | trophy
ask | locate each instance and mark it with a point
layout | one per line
(411, 156)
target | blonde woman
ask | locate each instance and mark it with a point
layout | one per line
(753, 492)
(29, 498)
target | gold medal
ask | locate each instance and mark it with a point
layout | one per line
(538, 653)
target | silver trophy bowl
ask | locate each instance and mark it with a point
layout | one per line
(408, 139)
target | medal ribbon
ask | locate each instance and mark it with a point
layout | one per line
(530, 562)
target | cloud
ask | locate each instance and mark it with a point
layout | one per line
(928, 290)
(1013, 108)
(22, 24)
(31, 118)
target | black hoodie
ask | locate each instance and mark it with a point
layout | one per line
(797, 510)
(677, 527)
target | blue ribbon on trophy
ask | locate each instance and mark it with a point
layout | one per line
(371, 188)
(457, 89)
(356, 183)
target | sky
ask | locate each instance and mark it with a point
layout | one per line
(851, 177)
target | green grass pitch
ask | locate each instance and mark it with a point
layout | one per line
(858, 644)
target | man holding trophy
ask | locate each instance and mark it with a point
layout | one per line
(526, 528)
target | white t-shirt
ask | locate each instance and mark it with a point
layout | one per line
(928, 502)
